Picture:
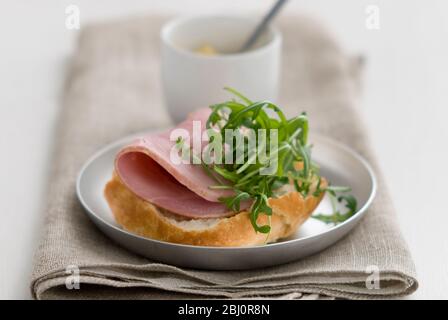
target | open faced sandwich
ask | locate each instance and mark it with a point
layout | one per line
(236, 174)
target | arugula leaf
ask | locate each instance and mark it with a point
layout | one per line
(337, 217)
(234, 203)
(260, 206)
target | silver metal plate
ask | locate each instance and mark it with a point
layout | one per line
(339, 164)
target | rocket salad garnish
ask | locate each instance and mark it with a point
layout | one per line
(257, 174)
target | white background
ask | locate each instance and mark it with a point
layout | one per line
(405, 106)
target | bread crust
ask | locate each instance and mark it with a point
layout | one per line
(143, 218)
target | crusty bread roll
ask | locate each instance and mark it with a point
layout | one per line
(143, 218)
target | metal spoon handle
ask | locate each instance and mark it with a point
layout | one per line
(262, 25)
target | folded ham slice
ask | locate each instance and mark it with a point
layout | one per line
(146, 169)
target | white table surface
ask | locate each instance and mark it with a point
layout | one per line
(405, 108)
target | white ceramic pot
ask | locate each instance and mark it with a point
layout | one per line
(192, 80)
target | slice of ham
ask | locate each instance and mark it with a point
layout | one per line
(146, 169)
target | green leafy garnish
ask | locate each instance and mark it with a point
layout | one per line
(280, 157)
(337, 216)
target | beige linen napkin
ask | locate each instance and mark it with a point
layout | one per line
(113, 90)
